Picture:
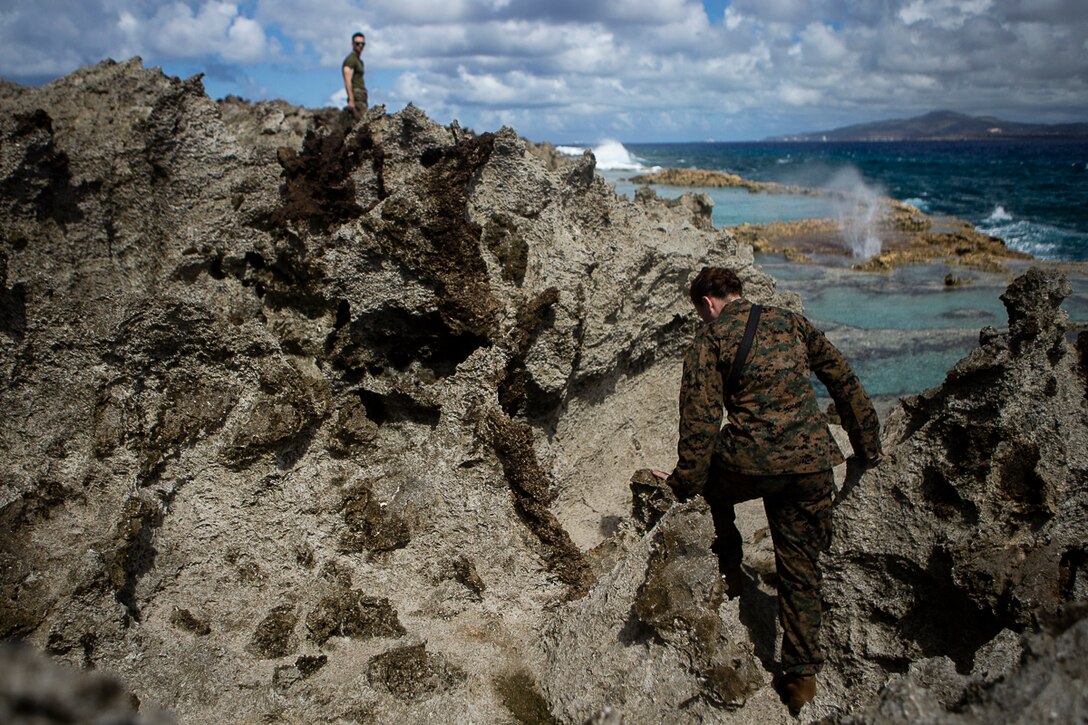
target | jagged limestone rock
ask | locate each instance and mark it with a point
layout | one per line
(647, 641)
(974, 523)
(210, 348)
(241, 379)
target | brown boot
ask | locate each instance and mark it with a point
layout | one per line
(798, 691)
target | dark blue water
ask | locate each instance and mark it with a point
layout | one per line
(1033, 194)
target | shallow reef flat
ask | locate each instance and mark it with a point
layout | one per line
(873, 233)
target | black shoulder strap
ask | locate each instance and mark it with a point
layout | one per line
(745, 346)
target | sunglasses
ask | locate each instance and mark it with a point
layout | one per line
(359, 42)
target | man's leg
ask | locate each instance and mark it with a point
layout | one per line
(727, 541)
(724, 490)
(800, 521)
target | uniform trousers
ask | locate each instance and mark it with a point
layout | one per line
(798, 510)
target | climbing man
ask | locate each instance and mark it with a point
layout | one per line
(754, 363)
(353, 74)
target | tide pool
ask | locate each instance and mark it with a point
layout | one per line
(903, 330)
(733, 207)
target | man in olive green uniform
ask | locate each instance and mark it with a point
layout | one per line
(776, 446)
(353, 74)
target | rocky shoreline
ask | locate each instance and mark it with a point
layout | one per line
(312, 418)
(907, 235)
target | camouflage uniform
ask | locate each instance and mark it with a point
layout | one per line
(776, 445)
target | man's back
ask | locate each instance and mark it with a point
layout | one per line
(775, 424)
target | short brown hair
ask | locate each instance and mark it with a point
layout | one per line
(715, 282)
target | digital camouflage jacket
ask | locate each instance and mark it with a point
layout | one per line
(775, 425)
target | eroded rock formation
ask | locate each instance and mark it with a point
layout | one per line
(313, 418)
(286, 427)
(972, 532)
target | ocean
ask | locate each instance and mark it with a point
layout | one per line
(902, 330)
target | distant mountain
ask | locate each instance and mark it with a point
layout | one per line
(942, 126)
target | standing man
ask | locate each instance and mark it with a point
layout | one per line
(776, 446)
(353, 74)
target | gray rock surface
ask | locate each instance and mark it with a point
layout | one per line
(269, 409)
(974, 524)
(648, 642)
(310, 418)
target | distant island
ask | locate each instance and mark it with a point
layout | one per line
(942, 126)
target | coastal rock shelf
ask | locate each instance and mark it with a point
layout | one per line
(313, 418)
(899, 233)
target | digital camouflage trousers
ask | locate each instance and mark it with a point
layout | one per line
(798, 510)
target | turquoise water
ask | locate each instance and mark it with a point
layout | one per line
(733, 207)
(902, 330)
(865, 303)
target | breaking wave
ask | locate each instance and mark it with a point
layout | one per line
(1039, 240)
(998, 216)
(611, 155)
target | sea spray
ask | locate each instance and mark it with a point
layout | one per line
(611, 155)
(997, 216)
(859, 211)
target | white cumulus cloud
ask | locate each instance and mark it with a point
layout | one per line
(564, 65)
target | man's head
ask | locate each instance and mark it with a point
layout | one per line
(712, 288)
(358, 42)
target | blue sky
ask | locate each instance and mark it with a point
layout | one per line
(580, 71)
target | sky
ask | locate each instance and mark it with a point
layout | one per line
(582, 71)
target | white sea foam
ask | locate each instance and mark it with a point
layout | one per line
(998, 216)
(614, 156)
(611, 155)
(919, 204)
(1039, 240)
(571, 150)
